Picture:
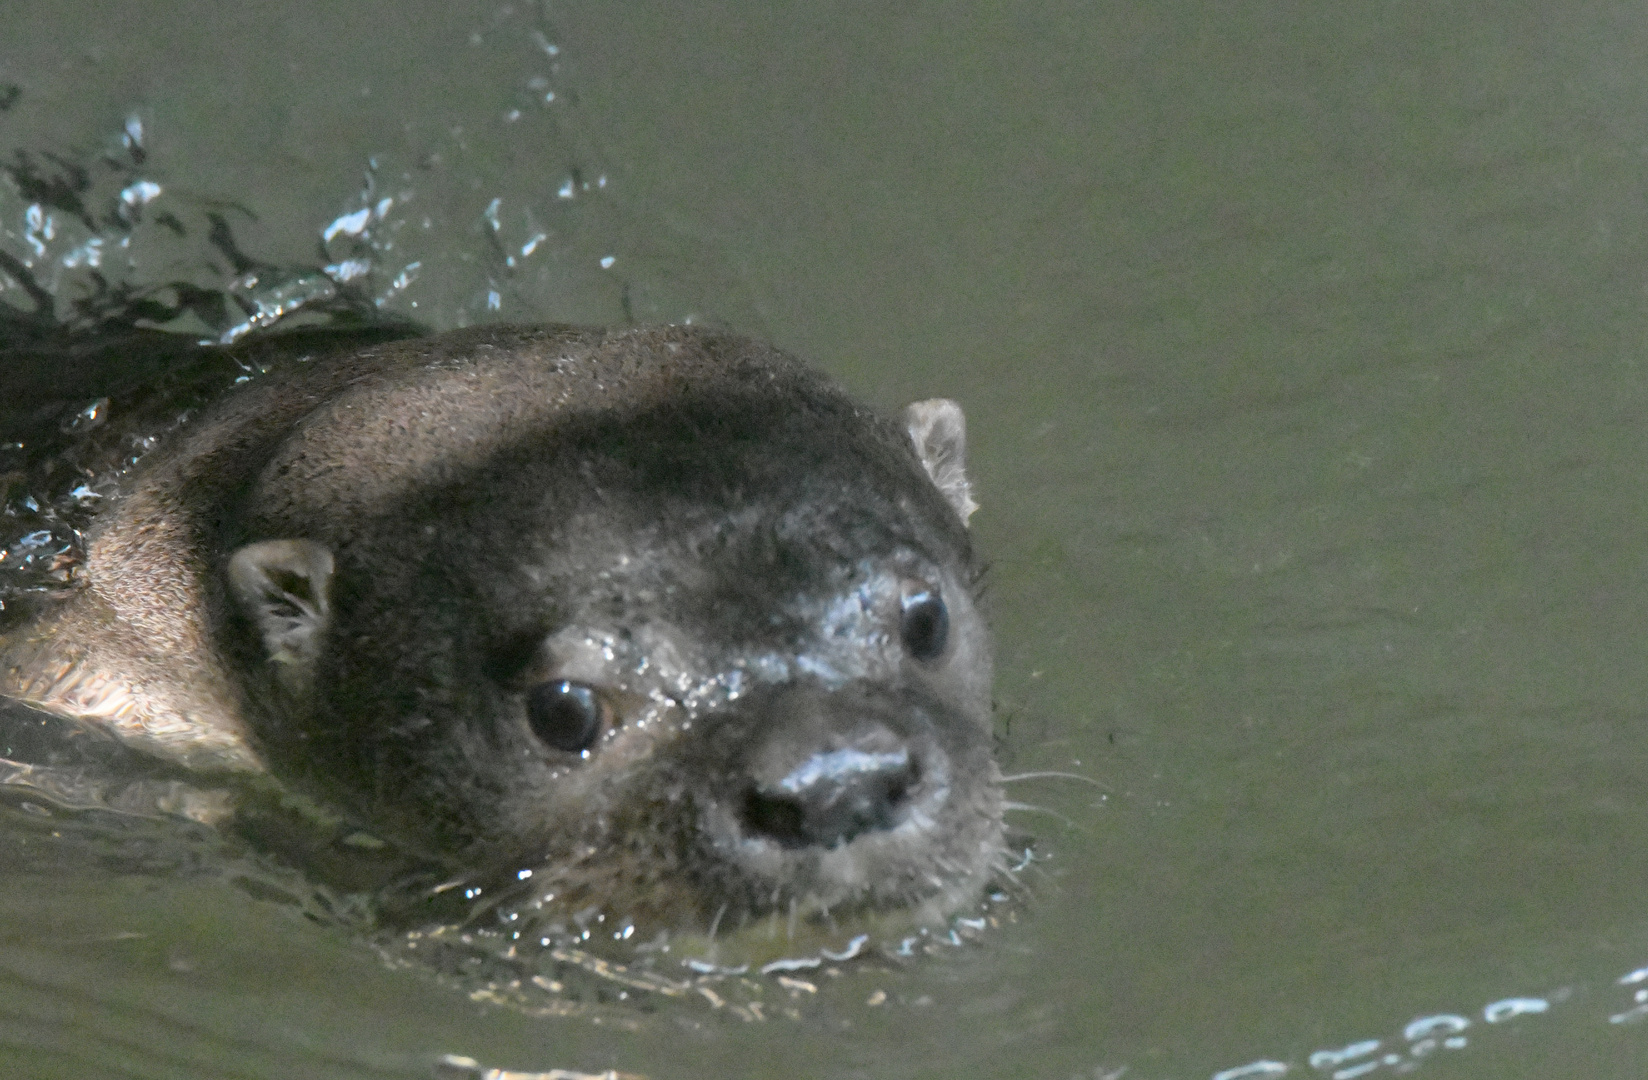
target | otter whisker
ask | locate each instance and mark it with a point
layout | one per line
(1034, 809)
(1006, 874)
(1049, 774)
(715, 923)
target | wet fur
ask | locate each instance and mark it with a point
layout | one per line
(479, 491)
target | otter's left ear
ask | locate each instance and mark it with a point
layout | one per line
(938, 429)
(282, 587)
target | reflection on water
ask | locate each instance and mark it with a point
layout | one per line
(458, 1067)
(1440, 1034)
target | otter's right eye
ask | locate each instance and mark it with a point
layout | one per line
(565, 715)
(924, 624)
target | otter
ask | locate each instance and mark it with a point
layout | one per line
(658, 621)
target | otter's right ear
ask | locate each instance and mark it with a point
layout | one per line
(938, 429)
(281, 587)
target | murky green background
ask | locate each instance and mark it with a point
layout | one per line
(1305, 348)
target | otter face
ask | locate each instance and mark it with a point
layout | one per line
(842, 763)
(693, 665)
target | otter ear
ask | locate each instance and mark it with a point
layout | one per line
(282, 586)
(938, 429)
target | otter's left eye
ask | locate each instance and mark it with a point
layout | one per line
(924, 624)
(566, 715)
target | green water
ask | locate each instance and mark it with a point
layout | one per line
(1305, 352)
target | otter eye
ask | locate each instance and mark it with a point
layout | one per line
(566, 715)
(924, 624)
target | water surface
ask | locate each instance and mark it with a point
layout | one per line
(1303, 351)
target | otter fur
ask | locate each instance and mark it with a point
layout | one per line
(659, 621)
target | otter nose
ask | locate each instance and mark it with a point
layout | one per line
(830, 798)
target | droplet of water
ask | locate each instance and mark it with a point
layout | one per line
(88, 416)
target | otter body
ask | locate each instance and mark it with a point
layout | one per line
(656, 620)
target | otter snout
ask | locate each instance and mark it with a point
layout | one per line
(844, 793)
(834, 796)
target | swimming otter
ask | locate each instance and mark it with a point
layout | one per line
(658, 621)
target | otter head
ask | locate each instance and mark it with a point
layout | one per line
(692, 657)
